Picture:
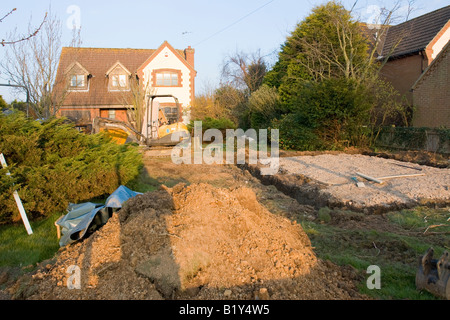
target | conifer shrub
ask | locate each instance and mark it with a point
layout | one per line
(52, 164)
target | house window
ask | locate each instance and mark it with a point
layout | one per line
(112, 114)
(170, 112)
(167, 79)
(77, 81)
(119, 81)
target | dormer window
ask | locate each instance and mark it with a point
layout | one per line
(78, 81)
(119, 77)
(78, 77)
(119, 81)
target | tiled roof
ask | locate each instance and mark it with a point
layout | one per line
(415, 34)
(373, 34)
(97, 61)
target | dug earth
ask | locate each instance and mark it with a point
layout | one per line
(207, 232)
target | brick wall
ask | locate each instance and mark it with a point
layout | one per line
(82, 116)
(431, 96)
(403, 73)
(189, 54)
(120, 114)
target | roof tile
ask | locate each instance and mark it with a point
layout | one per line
(415, 34)
(97, 61)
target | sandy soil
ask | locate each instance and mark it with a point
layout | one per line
(335, 173)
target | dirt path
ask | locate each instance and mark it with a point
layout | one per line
(211, 232)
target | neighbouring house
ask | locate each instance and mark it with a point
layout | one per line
(411, 48)
(103, 82)
(431, 93)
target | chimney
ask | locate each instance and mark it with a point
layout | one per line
(189, 54)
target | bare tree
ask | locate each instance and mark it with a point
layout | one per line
(33, 64)
(244, 71)
(133, 98)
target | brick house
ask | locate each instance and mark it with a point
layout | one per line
(412, 47)
(102, 82)
(431, 93)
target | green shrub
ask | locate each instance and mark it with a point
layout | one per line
(212, 123)
(324, 214)
(264, 105)
(52, 164)
(337, 110)
(331, 114)
(293, 135)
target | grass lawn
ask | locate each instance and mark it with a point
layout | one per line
(396, 253)
(18, 249)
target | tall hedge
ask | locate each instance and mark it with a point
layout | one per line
(330, 114)
(52, 164)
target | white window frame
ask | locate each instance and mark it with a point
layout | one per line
(166, 79)
(111, 114)
(119, 81)
(78, 81)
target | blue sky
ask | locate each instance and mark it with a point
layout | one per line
(213, 28)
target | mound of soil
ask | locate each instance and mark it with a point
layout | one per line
(192, 242)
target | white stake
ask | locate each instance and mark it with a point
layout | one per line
(369, 177)
(402, 176)
(18, 201)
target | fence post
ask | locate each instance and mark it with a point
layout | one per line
(18, 201)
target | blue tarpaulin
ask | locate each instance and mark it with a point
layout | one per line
(89, 216)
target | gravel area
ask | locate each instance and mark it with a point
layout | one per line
(336, 172)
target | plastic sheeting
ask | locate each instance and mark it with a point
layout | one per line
(85, 218)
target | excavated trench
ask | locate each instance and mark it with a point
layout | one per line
(309, 192)
(325, 180)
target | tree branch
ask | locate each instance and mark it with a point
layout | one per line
(31, 35)
(1, 19)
